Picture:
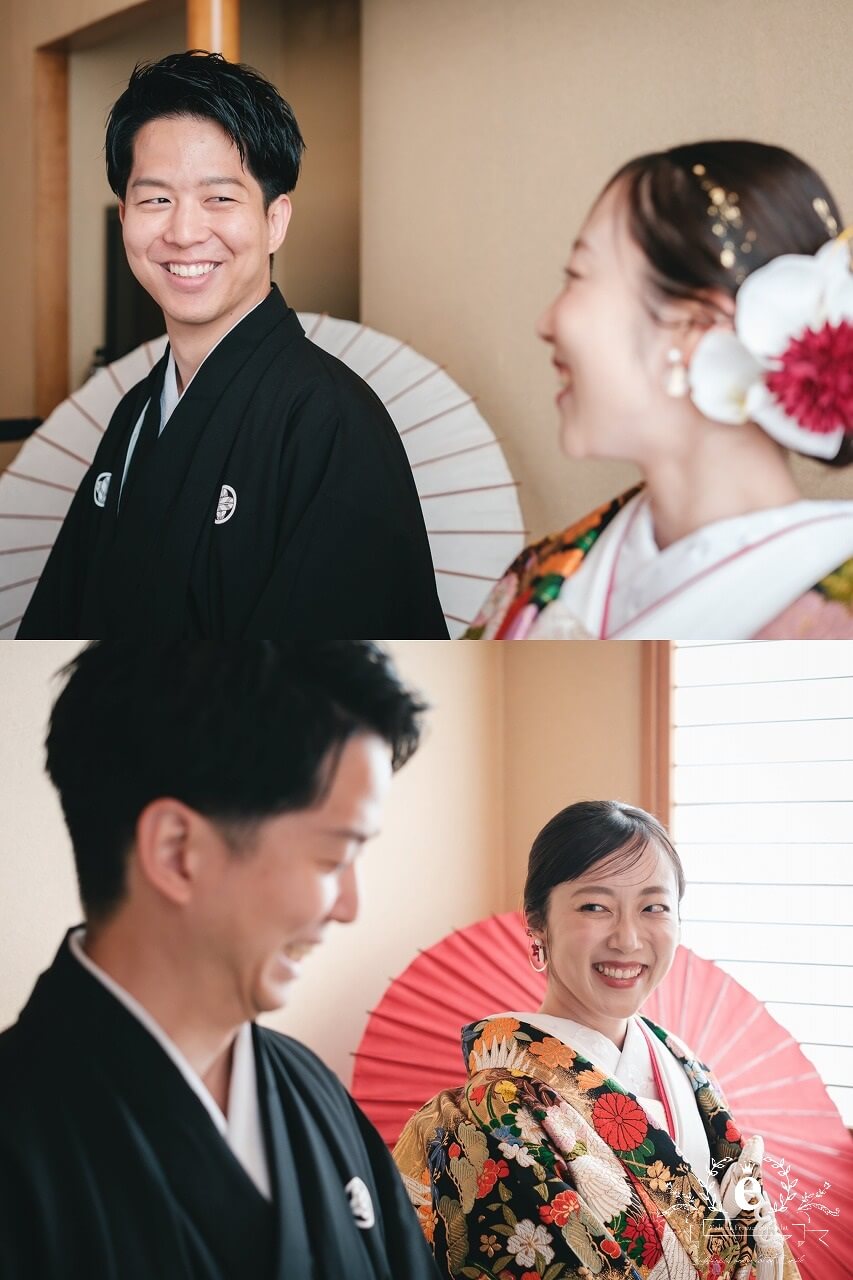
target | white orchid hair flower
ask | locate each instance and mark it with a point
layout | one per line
(788, 365)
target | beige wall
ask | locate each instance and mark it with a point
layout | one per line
(319, 72)
(488, 128)
(573, 731)
(97, 75)
(311, 52)
(516, 733)
(38, 893)
(26, 27)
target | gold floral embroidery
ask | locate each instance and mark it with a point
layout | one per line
(553, 1053)
(591, 1079)
(659, 1175)
(506, 1090)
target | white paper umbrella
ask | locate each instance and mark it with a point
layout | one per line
(468, 495)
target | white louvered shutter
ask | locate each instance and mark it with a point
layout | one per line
(763, 818)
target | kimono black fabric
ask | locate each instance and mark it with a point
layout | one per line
(112, 1169)
(278, 502)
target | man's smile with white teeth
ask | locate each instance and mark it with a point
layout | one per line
(297, 950)
(190, 268)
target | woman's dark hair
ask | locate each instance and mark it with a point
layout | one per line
(582, 835)
(784, 205)
(240, 732)
(202, 85)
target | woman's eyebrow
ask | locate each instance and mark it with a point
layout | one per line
(603, 888)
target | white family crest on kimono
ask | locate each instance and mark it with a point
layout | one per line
(361, 1204)
(227, 504)
(102, 485)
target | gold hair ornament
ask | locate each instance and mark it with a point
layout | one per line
(727, 225)
(821, 208)
(846, 237)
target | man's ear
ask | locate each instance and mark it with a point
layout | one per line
(121, 211)
(166, 853)
(278, 219)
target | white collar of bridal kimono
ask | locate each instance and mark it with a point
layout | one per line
(787, 363)
(540, 1143)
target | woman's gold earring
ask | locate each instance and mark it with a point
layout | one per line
(675, 382)
(537, 954)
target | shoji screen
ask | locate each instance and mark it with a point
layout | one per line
(763, 817)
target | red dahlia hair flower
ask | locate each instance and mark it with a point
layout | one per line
(814, 381)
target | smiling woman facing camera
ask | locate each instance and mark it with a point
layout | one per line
(587, 1139)
(705, 327)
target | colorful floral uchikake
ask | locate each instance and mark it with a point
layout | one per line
(535, 578)
(543, 1168)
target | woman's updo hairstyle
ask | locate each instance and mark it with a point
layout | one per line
(783, 203)
(582, 835)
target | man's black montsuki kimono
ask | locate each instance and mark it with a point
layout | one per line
(111, 1167)
(277, 502)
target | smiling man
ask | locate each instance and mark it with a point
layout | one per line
(252, 485)
(217, 798)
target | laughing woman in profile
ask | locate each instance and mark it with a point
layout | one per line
(704, 330)
(587, 1141)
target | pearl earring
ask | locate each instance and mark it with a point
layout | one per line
(675, 382)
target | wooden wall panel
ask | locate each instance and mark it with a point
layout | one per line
(214, 25)
(51, 229)
(656, 728)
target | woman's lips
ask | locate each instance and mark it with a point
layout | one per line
(621, 976)
(564, 374)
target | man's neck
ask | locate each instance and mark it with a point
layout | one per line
(726, 472)
(191, 344)
(179, 999)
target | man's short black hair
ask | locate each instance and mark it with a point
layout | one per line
(202, 85)
(240, 732)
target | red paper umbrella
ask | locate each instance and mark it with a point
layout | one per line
(410, 1050)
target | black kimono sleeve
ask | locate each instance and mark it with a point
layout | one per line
(407, 1249)
(353, 558)
(55, 608)
(23, 1246)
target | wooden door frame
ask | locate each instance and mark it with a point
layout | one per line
(656, 728)
(50, 82)
(208, 21)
